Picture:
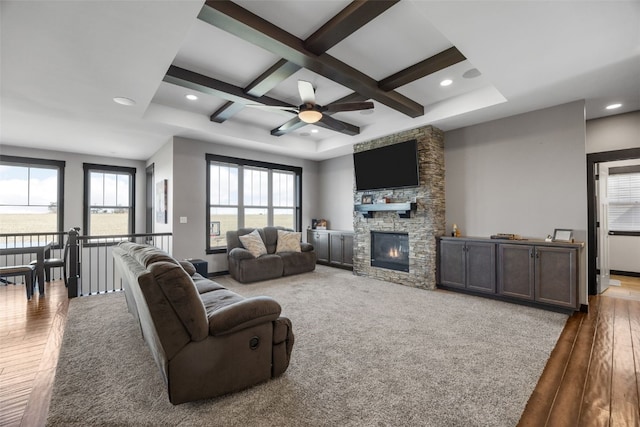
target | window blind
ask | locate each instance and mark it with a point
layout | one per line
(624, 202)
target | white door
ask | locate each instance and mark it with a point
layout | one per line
(602, 262)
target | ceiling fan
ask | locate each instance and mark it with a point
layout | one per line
(310, 112)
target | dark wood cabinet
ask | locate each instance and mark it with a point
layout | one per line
(516, 271)
(332, 247)
(469, 265)
(556, 274)
(452, 264)
(320, 241)
(542, 273)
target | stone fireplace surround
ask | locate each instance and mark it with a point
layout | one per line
(425, 223)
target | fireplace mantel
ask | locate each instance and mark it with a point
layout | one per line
(403, 209)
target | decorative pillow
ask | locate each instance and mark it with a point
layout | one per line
(253, 243)
(288, 241)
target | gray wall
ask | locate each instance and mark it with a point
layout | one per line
(524, 174)
(335, 192)
(188, 189)
(614, 133)
(162, 162)
(74, 177)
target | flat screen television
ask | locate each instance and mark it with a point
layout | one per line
(391, 166)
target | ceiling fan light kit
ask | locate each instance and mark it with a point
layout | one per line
(310, 115)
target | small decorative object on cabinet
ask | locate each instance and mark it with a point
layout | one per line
(562, 235)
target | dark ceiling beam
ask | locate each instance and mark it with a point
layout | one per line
(345, 23)
(198, 82)
(271, 78)
(263, 84)
(437, 62)
(234, 94)
(238, 21)
(224, 113)
(350, 19)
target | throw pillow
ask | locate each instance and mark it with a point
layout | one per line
(288, 241)
(253, 243)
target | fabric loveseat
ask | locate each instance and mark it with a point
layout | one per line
(267, 253)
(206, 340)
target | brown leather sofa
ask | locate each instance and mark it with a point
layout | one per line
(245, 267)
(206, 340)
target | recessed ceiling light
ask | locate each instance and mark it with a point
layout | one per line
(613, 106)
(314, 131)
(124, 101)
(446, 82)
(191, 97)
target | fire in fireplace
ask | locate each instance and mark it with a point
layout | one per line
(390, 250)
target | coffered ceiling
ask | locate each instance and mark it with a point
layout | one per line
(63, 62)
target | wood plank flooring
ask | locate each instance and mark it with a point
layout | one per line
(592, 377)
(30, 339)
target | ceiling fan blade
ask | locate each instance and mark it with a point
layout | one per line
(289, 126)
(348, 106)
(307, 93)
(275, 108)
(337, 125)
(332, 123)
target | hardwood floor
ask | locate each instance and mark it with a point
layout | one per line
(31, 335)
(629, 288)
(593, 375)
(591, 379)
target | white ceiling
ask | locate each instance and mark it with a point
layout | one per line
(63, 62)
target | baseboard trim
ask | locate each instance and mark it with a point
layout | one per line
(625, 273)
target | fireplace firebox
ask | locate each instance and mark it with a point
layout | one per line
(390, 250)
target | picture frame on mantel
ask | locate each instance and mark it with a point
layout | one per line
(563, 235)
(367, 199)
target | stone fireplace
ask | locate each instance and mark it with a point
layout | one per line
(419, 227)
(390, 250)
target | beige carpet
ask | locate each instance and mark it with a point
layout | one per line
(367, 353)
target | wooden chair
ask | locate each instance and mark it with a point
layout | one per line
(21, 270)
(50, 263)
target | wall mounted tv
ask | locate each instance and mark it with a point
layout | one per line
(391, 166)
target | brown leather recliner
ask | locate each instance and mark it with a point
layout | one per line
(206, 340)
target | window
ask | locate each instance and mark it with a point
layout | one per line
(624, 199)
(31, 195)
(108, 200)
(244, 193)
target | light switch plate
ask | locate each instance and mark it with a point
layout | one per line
(183, 220)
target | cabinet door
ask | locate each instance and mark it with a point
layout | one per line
(320, 242)
(556, 276)
(347, 249)
(335, 248)
(452, 264)
(481, 267)
(516, 271)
